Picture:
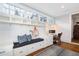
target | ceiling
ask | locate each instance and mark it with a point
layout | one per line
(55, 9)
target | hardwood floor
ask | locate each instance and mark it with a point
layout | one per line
(75, 40)
(64, 45)
(69, 46)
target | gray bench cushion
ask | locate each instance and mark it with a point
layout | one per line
(17, 44)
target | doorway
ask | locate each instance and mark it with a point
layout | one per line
(75, 29)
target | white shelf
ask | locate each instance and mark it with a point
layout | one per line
(21, 23)
(18, 20)
(17, 17)
(4, 15)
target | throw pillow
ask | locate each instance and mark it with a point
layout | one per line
(22, 38)
(29, 37)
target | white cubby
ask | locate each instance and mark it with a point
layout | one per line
(14, 19)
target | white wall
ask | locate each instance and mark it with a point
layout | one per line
(9, 33)
(64, 26)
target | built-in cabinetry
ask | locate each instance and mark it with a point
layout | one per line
(10, 13)
(18, 20)
(25, 50)
(30, 48)
(10, 16)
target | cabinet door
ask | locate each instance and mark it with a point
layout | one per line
(48, 41)
(21, 51)
(17, 51)
(34, 47)
(6, 51)
(25, 50)
(41, 44)
(30, 48)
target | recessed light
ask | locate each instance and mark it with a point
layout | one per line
(62, 6)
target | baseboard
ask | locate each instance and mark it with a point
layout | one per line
(36, 52)
(71, 43)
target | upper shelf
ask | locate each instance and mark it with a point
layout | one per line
(10, 19)
(4, 15)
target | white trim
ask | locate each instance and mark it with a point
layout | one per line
(73, 43)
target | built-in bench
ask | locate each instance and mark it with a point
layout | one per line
(17, 44)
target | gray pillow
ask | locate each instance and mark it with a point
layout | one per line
(29, 37)
(22, 38)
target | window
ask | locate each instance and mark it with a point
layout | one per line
(12, 10)
(12, 7)
(17, 11)
(28, 14)
(22, 12)
(4, 8)
(34, 15)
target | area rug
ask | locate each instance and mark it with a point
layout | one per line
(57, 51)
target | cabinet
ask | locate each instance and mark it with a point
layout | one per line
(6, 51)
(20, 51)
(25, 50)
(14, 19)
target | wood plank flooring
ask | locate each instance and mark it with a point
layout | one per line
(75, 40)
(69, 46)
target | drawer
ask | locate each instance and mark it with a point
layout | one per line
(33, 47)
(3, 52)
(41, 45)
(20, 51)
(6, 53)
(37, 46)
